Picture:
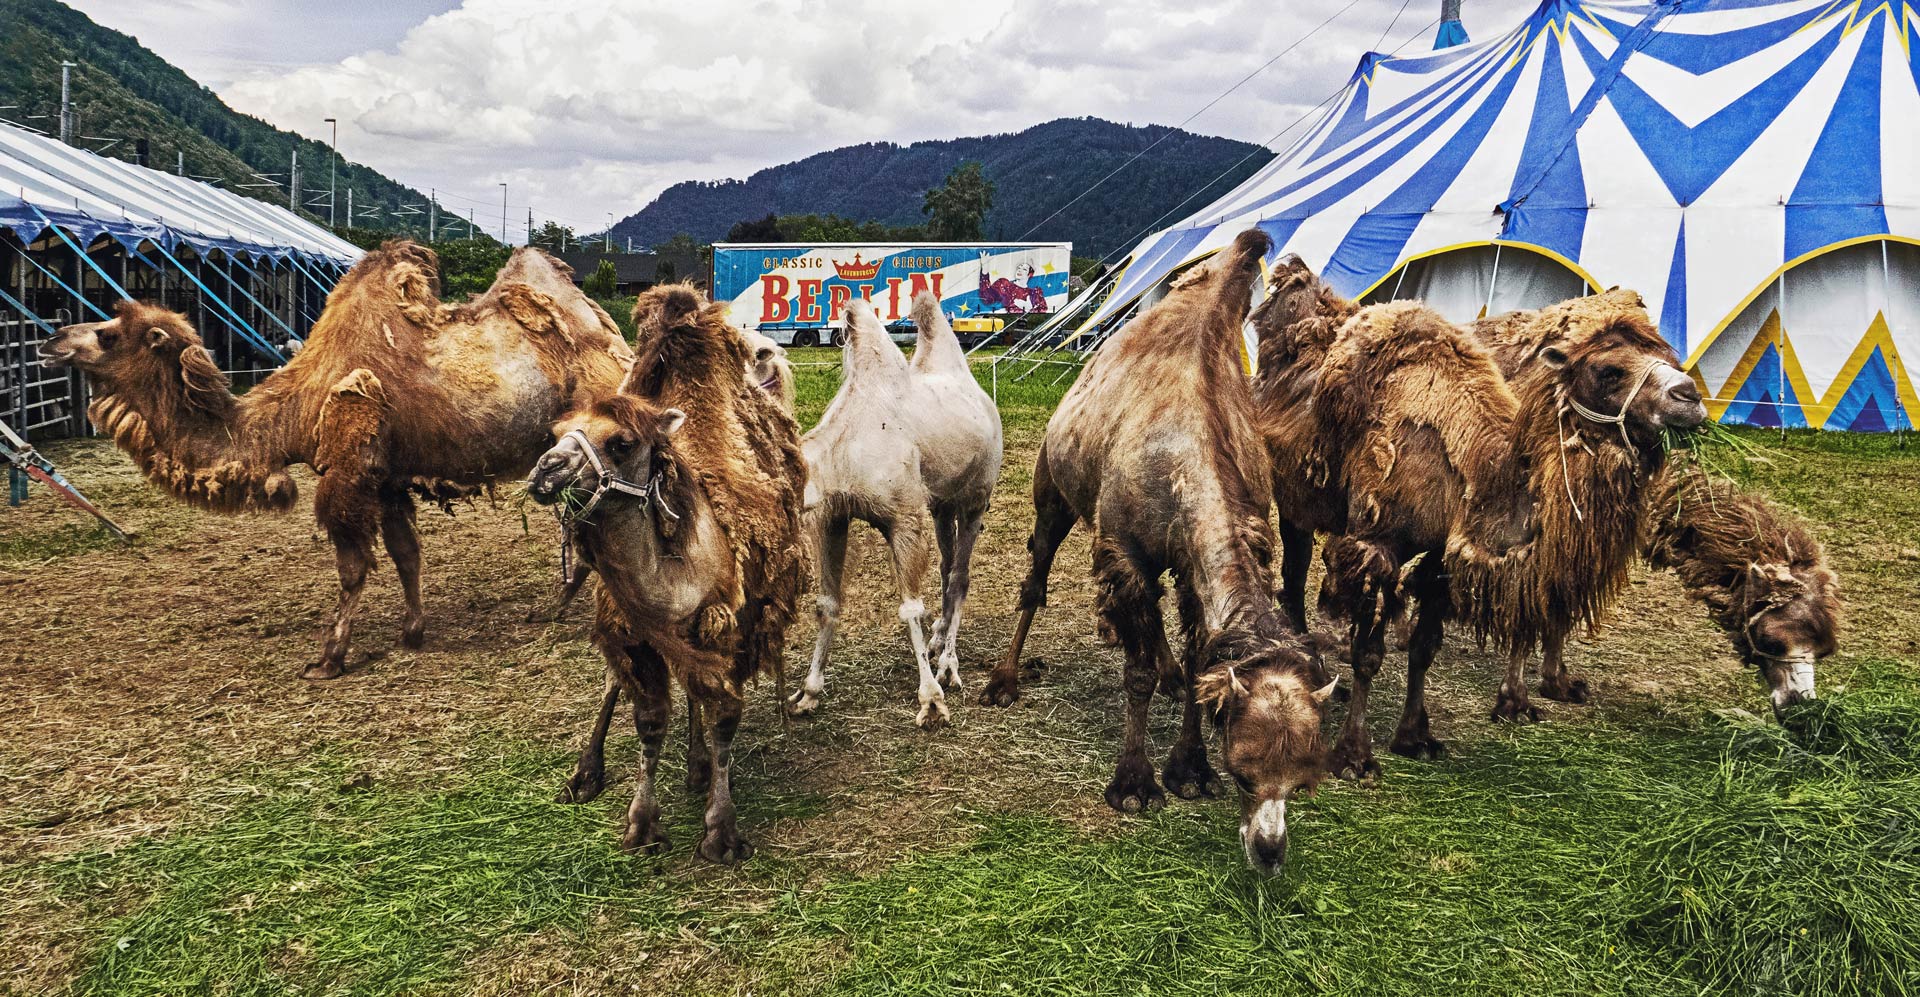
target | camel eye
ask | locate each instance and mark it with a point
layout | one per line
(107, 339)
(764, 355)
(1609, 373)
(620, 444)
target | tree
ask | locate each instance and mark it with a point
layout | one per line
(554, 236)
(468, 266)
(603, 282)
(765, 230)
(663, 272)
(958, 208)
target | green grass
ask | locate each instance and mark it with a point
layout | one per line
(1026, 396)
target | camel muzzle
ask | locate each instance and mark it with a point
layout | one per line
(550, 477)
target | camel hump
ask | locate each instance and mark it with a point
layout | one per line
(926, 311)
(359, 383)
(679, 305)
(535, 310)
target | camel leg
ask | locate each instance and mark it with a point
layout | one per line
(946, 527)
(1296, 556)
(1187, 772)
(1413, 739)
(563, 596)
(403, 546)
(351, 517)
(699, 759)
(954, 594)
(1368, 581)
(1513, 705)
(652, 705)
(1128, 600)
(590, 772)
(832, 542)
(1556, 683)
(1052, 521)
(906, 539)
(723, 842)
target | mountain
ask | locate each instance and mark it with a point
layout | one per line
(121, 90)
(1034, 172)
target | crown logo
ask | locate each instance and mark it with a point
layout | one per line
(856, 270)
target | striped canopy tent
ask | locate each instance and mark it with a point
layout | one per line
(46, 183)
(1751, 167)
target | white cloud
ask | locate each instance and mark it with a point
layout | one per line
(590, 108)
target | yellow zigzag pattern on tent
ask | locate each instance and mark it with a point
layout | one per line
(1816, 413)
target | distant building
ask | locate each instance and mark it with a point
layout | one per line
(635, 272)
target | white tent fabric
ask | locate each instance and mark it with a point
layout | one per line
(1693, 150)
(44, 183)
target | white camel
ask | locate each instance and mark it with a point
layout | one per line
(902, 441)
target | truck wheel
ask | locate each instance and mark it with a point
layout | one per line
(806, 337)
(839, 338)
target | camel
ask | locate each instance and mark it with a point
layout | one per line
(394, 395)
(898, 442)
(1396, 435)
(1758, 570)
(1155, 448)
(767, 369)
(684, 492)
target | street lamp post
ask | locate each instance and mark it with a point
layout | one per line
(503, 213)
(333, 157)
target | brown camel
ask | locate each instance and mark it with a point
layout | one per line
(1397, 436)
(1155, 448)
(1758, 570)
(693, 524)
(899, 442)
(394, 395)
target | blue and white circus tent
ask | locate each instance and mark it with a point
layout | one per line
(1751, 167)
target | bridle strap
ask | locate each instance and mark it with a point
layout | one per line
(1618, 418)
(610, 481)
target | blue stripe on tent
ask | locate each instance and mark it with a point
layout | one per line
(1355, 119)
(1372, 246)
(1553, 214)
(1604, 76)
(1700, 54)
(1689, 160)
(1280, 229)
(1451, 33)
(1359, 177)
(1766, 399)
(1673, 310)
(1154, 264)
(1872, 402)
(1839, 194)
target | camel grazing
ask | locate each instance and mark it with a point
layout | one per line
(1155, 448)
(684, 493)
(899, 441)
(1397, 436)
(1758, 570)
(394, 395)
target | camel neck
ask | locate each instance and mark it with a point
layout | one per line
(227, 454)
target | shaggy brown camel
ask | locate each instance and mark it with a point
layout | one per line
(1155, 448)
(1758, 570)
(899, 441)
(394, 395)
(693, 524)
(1396, 436)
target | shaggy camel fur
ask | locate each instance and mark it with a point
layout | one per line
(695, 533)
(394, 395)
(901, 440)
(1155, 448)
(1757, 569)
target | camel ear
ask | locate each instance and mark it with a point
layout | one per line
(1325, 692)
(157, 337)
(1553, 356)
(671, 420)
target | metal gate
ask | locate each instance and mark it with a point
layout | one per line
(37, 401)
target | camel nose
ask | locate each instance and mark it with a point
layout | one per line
(548, 476)
(1268, 853)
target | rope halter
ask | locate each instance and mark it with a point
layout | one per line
(609, 481)
(1618, 418)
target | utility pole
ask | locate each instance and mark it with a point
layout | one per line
(293, 184)
(503, 213)
(529, 226)
(609, 231)
(349, 207)
(333, 160)
(66, 101)
(433, 208)
(472, 233)
(180, 163)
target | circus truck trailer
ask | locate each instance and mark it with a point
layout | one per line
(797, 295)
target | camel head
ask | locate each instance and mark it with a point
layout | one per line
(620, 449)
(1616, 370)
(1792, 622)
(1268, 711)
(769, 370)
(1295, 293)
(143, 350)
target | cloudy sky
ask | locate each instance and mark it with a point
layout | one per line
(590, 108)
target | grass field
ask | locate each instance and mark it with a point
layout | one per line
(181, 815)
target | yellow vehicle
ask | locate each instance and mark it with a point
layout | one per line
(974, 330)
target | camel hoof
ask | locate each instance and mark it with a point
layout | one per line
(325, 668)
(1423, 748)
(725, 847)
(1000, 692)
(1189, 776)
(802, 704)
(949, 674)
(1514, 710)
(582, 788)
(1354, 765)
(933, 715)
(1568, 690)
(644, 840)
(413, 637)
(1136, 799)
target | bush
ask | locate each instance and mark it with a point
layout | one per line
(603, 282)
